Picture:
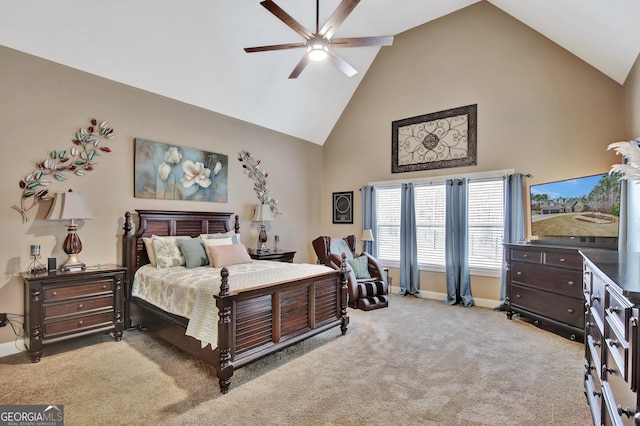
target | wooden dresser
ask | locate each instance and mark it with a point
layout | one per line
(544, 283)
(611, 284)
(62, 305)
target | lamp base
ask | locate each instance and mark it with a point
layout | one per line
(73, 264)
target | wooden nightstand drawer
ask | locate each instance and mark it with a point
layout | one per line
(78, 306)
(61, 293)
(77, 324)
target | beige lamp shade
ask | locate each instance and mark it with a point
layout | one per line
(69, 206)
(262, 213)
(367, 235)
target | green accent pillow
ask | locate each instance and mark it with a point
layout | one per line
(168, 252)
(360, 266)
(194, 252)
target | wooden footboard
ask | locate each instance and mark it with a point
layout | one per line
(252, 323)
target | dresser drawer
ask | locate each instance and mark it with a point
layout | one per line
(78, 306)
(78, 324)
(594, 342)
(617, 348)
(561, 281)
(618, 312)
(565, 260)
(526, 255)
(561, 308)
(67, 292)
(597, 300)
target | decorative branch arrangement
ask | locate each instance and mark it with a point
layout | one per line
(252, 169)
(631, 151)
(79, 160)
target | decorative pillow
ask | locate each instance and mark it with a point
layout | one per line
(223, 238)
(360, 266)
(221, 256)
(339, 246)
(151, 252)
(167, 251)
(194, 252)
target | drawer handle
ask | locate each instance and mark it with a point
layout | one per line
(55, 293)
(518, 273)
(594, 297)
(80, 306)
(525, 255)
(570, 282)
(562, 259)
(570, 310)
(518, 296)
(597, 343)
(614, 310)
(614, 342)
(626, 411)
(104, 286)
(610, 370)
(588, 324)
(80, 323)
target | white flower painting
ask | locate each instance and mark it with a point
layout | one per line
(172, 172)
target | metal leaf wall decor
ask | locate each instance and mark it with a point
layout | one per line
(87, 145)
(252, 169)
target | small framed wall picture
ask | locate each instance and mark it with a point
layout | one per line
(343, 207)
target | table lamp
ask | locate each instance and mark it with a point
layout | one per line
(367, 236)
(262, 214)
(70, 206)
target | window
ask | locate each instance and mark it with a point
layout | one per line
(388, 227)
(430, 223)
(486, 224)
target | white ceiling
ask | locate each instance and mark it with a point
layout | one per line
(192, 51)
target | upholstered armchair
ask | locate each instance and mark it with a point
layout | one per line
(367, 282)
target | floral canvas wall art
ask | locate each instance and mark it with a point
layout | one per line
(172, 172)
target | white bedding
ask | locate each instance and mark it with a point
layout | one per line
(189, 292)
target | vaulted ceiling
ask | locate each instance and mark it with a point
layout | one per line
(192, 51)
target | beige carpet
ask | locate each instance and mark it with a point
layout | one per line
(416, 362)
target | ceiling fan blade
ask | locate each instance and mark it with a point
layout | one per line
(298, 69)
(337, 17)
(342, 64)
(286, 18)
(274, 47)
(362, 41)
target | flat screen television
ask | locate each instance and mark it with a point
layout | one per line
(582, 210)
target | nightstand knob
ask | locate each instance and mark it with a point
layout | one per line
(80, 306)
(104, 286)
(55, 293)
(80, 323)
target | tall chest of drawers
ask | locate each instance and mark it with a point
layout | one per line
(544, 283)
(611, 286)
(63, 305)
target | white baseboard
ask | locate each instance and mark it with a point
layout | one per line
(434, 295)
(11, 348)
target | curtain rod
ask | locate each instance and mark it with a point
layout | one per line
(437, 179)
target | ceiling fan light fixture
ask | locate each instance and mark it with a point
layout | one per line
(318, 52)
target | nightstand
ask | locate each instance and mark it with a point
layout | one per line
(63, 305)
(277, 256)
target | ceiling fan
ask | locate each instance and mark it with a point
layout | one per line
(320, 44)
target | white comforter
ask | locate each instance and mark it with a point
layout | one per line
(189, 292)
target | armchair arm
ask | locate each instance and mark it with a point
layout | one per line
(334, 261)
(375, 268)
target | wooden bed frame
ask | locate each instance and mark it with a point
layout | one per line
(253, 323)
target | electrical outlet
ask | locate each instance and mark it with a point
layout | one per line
(3, 320)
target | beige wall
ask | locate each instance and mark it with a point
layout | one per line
(541, 110)
(42, 106)
(631, 90)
